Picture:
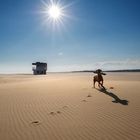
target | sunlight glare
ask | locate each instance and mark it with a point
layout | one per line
(54, 12)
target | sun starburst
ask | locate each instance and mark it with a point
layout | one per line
(54, 12)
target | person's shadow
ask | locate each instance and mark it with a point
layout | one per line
(115, 97)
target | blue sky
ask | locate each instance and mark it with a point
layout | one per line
(96, 34)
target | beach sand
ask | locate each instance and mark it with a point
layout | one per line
(64, 106)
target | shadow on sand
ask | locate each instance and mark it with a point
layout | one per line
(115, 97)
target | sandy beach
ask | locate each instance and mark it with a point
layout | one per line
(64, 106)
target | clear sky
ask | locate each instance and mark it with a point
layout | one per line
(95, 34)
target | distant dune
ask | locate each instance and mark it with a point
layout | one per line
(64, 106)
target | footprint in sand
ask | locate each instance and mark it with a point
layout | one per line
(55, 113)
(89, 95)
(52, 113)
(84, 100)
(65, 107)
(111, 87)
(58, 112)
(35, 122)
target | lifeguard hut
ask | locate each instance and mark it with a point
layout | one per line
(39, 68)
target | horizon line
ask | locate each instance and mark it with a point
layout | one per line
(117, 70)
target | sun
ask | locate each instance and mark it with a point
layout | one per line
(54, 12)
